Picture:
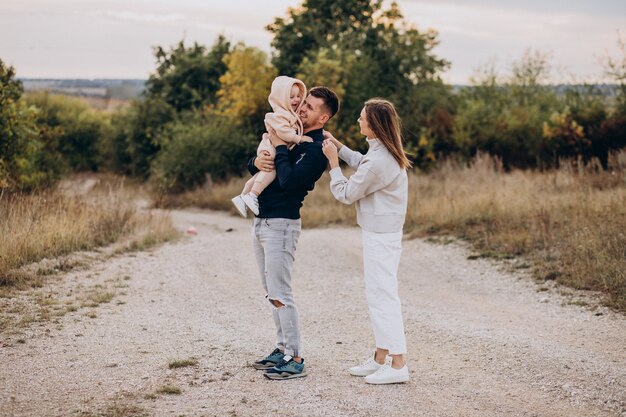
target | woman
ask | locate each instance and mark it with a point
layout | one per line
(379, 187)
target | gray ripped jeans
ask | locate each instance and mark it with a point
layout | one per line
(274, 242)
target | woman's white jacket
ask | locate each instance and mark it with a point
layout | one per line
(379, 187)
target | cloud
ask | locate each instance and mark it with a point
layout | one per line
(145, 17)
(598, 8)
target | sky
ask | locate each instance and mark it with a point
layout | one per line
(114, 38)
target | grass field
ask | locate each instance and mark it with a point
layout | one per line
(54, 223)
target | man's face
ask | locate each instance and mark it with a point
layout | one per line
(312, 113)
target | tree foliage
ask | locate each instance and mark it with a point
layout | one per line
(74, 126)
(26, 160)
(245, 86)
(134, 143)
(372, 52)
(305, 29)
(200, 146)
(188, 78)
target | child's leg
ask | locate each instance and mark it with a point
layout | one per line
(248, 186)
(265, 146)
(263, 179)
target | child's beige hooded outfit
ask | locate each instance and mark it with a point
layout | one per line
(284, 121)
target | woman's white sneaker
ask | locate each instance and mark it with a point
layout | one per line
(388, 375)
(367, 368)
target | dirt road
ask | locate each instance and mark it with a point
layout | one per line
(482, 341)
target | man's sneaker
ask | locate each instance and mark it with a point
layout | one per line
(252, 202)
(367, 368)
(270, 360)
(241, 206)
(388, 375)
(286, 369)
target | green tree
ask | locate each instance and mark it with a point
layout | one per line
(23, 163)
(588, 106)
(328, 67)
(306, 29)
(504, 116)
(565, 136)
(245, 86)
(134, 143)
(612, 132)
(188, 78)
(200, 146)
(185, 80)
(78, 129)
(370, 52)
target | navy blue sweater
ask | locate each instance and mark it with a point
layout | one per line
(297, 170)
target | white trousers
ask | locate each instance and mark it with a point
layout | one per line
(381, 259)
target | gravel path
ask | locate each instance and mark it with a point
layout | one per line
(482, 342)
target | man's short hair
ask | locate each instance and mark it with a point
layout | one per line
(328, 96)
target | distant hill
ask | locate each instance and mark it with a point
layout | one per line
(98, 88)
(128, 89)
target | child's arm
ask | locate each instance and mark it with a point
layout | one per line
(279, 126)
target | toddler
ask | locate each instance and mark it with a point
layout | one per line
(286, 98)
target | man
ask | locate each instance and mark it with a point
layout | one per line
(277, 227)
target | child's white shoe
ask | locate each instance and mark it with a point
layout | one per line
(252, 202)
(241, 206)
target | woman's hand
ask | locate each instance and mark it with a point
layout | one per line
(330, 150)
(329, 136)
(264, 162)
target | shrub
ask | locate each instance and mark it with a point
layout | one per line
(198, 146)
(78, 129)
(27, 158)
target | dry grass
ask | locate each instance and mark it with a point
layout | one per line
(87, 219)
(49, 225)
(117, 409)
(54, 223)
(569, 224)
(321, 208)
(214, 196)
(183, 363)
(169, 389)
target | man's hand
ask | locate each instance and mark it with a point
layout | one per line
(264, 162)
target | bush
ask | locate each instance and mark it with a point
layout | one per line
(527, 124)
(198, 146)
(77, 128)
(28, 157)
(133, 143)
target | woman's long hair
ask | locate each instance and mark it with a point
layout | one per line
(384, 121)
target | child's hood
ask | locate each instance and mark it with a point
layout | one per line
(280, 92)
